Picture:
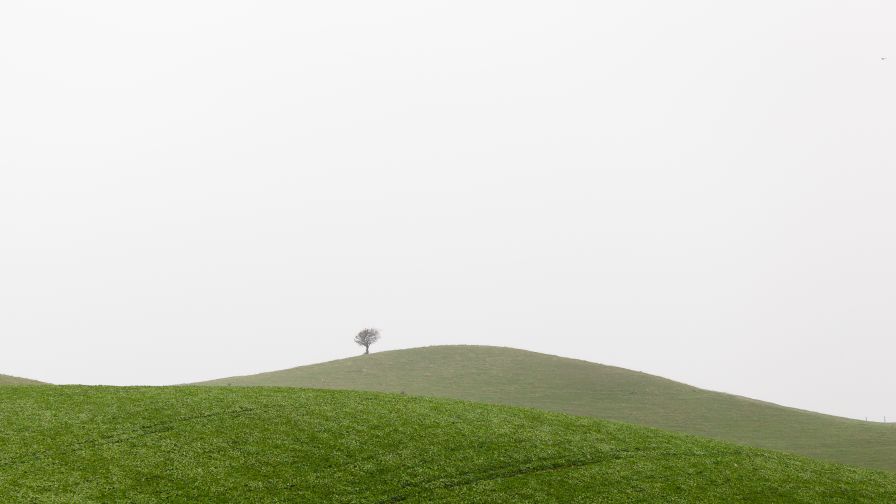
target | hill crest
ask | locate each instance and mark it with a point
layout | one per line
(15, 380)
(501, 375)
(265, 444)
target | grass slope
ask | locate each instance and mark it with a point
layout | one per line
(14, 380)
(520, 378)
(78, 445)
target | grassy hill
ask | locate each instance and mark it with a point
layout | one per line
(13, 380)
(521, 378)
(78, 444)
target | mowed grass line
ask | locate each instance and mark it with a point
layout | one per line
(76, 444)
(519, 378)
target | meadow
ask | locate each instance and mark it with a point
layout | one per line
(79, 445)
(508, 376)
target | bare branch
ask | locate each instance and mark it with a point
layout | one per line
(367, 337)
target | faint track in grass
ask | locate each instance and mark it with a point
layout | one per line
(462, 480)
(136, 433)
(421, 489)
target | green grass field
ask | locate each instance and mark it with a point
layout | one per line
(78, 445)
(516, 377)
(14, 380)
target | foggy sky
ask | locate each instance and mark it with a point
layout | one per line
(701, 190)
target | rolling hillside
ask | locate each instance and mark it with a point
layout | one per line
(13, 380)
(77, 444)
(520, 378)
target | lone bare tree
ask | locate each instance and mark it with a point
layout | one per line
(366, 338)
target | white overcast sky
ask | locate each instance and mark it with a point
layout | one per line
(702, 190)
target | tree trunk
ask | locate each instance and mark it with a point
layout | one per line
(366, 349)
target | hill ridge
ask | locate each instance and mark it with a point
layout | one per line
(188, 444)
(15, 380)
(505, 375)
